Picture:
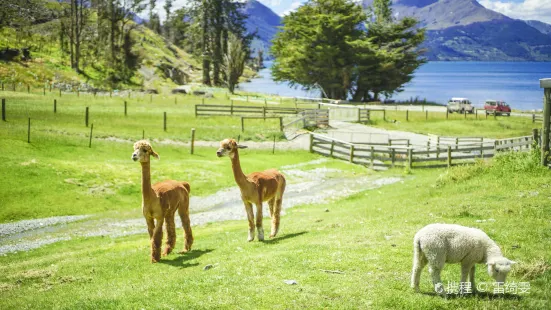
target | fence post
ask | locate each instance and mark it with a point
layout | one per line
(533, 118)
(332, 147)
(44, 92)
(4, 109)
(50, 87)
(393, 156)
(465, 114)
(29, 132)
(311, 143)
(428, 148)
(125, 108)
(192, 139)
(410, 158)
(476, 113)
(535, 135)
(264, 112)
(546, 84)
(143, 133)
(456, 143)
(352, 153)
(438, 147)
(407, 115)
(359, 115)
(28, 89)
(242, 125)
(60, 91)
(281, 123)
(449, 156)
(482, 148)
(495, 147)
(265, 102)
(86, 117)
(495, 115)
(384, 115)
(91, 130)
(372, 157)
(164, 121)
(55, 105)
(447, 112)
(426, 115)
(231, 108)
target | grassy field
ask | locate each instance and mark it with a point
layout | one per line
(367, 237)
(456, 125)
(144, 114)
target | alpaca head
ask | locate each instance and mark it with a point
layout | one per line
(228, 147)
(498, 268)
(142, 151)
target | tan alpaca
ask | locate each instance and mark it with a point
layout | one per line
(256, 188)
(160, 202)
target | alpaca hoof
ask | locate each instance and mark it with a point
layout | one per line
(260, 234)
(154, 261)
(272, 235)
(184, 251)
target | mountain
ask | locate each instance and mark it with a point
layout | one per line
(465, 30)
(264, 21)
(541, 26)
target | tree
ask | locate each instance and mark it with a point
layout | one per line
(234, 61)
(167, 24)
(333, 44)
(314, 47)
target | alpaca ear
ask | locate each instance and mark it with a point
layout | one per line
(155, 154)
(242, 146)
(512, 262)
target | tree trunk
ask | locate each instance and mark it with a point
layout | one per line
(206, 61)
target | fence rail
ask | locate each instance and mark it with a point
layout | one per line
(400, 152)
(213, 110)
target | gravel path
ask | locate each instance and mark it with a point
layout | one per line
(316, 186)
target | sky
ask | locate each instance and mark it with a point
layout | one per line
(520, 9)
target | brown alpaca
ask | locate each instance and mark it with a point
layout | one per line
(256, 188)
(160, 202)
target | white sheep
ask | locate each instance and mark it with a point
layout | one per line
(437, 244)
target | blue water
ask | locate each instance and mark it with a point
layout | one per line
(514, 82)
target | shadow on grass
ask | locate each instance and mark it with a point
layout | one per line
(181, 259)
(479, 295)
(277, 240)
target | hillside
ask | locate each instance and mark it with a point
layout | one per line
(541, 26)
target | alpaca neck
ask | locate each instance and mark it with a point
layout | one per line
(238, 174)
(146, 181)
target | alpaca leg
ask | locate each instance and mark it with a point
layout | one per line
(186, 225)
(156, 241)
(271, 204)
(150, 226)
(170, 234)
(259, 217)
(250, 217)
(276, 217)
(418, 264)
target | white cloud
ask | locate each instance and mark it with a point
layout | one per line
(159, 8)
(293, 7)
(528, 9)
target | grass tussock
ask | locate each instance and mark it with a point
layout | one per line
(532, 269)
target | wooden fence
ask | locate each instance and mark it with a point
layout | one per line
(537, 118)
(403, 154)
(219, 110)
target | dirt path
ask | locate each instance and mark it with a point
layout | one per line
(316, 186)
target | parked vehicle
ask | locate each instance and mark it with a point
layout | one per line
(460, 105)
(497, 107)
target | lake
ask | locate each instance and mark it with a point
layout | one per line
(514, 82)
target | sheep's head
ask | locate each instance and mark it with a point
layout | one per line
(498, 268)
(142, 151)
(228, 147)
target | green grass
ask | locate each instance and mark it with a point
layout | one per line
(456, 125)
(368, 237)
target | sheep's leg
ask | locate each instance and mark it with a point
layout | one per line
(435, 274)
(250, 217)
(183, 211)
(259, 216)
(471, 278)
(170, 233)
(464, 275)
(419, 262)
(157, 240)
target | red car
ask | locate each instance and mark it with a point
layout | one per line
(497, 107)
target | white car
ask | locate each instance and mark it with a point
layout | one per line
(460, 105)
